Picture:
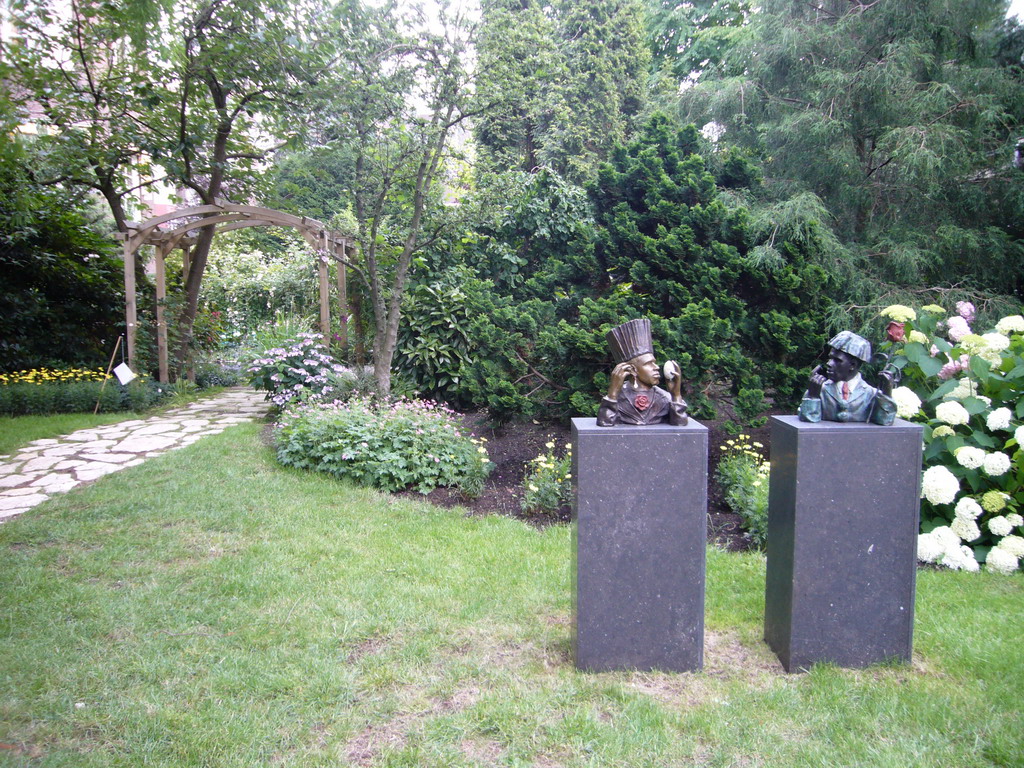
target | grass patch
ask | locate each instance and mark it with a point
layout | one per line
(210, 608)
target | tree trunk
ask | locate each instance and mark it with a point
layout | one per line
(187, 318)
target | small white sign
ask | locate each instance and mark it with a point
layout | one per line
(124, 373)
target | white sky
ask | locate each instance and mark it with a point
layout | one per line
(1017, 9)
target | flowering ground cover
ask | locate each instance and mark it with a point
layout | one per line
(292, 619)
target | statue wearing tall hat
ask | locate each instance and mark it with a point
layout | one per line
(837, 391)
(634, 397)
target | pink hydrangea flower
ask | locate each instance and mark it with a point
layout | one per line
(966, 310)
(958, 328)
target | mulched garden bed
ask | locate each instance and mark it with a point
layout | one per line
(512, 446)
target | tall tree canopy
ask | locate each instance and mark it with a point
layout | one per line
(562, 81)
(899, 117)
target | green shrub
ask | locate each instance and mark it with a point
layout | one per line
(967, 389)
(547, 487)
(390, 445)
(299, 369)
(217, 374)
(743, 475)
(77, 397)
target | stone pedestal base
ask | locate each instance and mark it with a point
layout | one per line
(842, 542)
(639, 549)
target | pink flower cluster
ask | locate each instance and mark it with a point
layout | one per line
(953, 367)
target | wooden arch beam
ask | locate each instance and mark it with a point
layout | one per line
(223, 218)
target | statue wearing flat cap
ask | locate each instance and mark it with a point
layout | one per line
(633, 395)
(839, 393)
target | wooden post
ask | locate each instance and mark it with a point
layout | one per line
(325, 306)
(342, 295)
(186, 262)
(131, 316)
(161, 319)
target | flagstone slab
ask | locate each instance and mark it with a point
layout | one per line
(111, 458)
(44, 441)
(13, 481)
(92, 444)
(145, 443)
(53, 483)
(69, 464)
(21, 503)
(42, 462)
(62, 450)
(158, 428)
(94, 470)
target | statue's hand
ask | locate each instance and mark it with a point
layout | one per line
(885, 383)
(619, 374)
(673, 380)
(816, 382)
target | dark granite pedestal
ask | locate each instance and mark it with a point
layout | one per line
(638, 565)
(842, 542)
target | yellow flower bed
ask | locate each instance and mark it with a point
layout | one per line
(53, 375)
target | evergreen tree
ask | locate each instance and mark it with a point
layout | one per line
(898, 116)
(562, 82)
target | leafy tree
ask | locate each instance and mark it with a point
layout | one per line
(403, 93)
(60, 288)
(202, 97)
(899, 118)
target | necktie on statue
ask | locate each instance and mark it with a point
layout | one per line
(846, 391)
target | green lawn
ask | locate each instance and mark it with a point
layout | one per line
(209, 608)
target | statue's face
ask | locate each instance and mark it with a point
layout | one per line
(841, 366)
(647, 373)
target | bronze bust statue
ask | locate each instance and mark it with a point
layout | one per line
(640, 401)
(839, 393)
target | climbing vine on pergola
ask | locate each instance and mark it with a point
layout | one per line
(327, 244)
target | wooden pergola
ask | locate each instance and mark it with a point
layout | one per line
(327, 244)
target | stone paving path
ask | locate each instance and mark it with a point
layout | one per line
(45, 467)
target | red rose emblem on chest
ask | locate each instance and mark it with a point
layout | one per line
(642, 402)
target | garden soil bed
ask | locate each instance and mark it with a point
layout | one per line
(512, 446)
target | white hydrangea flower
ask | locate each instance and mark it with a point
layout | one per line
(919, 337)
(969, 457)
(951, 412)
(1013, 544)
(908, 404)
(1000, 526)
(961, 559)
(1015, 520)
(996, 464)
(996, 341)
(899, 313)
(944, 547)
(991, 356)
(968, 508)
(1001, 561)
(943, 431)
(967, 530)
(999, 419)
(1011, 324)
(929, 548)
(939, 485)
(1018, 435)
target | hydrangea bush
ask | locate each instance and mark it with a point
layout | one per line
(390, 445)
(299, 368)
(743, 474)
(967, 389)
(547, 485)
